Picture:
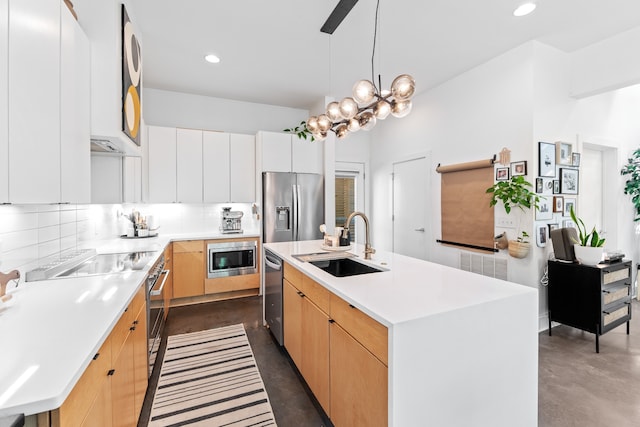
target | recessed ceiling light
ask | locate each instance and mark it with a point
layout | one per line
(212, 59)
(524, 9)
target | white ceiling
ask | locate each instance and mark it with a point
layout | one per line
(274, 53)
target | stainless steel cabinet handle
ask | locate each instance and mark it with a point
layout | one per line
(159, 291)
(421, 229)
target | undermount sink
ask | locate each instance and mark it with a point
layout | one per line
(344, 267)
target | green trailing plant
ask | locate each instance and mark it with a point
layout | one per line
(632, 186)
(591, 239)
(524, 238)
(513, 193)
(301, 130)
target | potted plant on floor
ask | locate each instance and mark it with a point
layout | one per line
(589, 246)
(632, 186)
(515, 193)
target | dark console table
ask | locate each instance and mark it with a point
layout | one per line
(595, 299)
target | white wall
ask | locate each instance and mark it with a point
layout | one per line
(175, 109)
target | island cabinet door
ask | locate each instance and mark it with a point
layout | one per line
(99, 414)
(359, 383)
(292, 308)
(315, 352)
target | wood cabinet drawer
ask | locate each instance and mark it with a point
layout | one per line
(615, 294)
(367, 331)
(614, 276)
(123, 327)
(293, 275)
(137, 303)
(188, 246)
(75, 407)
(316, 293)
(610, 317)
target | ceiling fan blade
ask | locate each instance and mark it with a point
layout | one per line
(341, 10)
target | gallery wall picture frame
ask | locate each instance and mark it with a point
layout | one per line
(519, 168)
(546, 159)
(569, 181)
(575, 159)
(563, 153)
(539, 185)
(547, 186)
(553, 226)
(542, 234)
(556, 186)
(502, 174)
(569, 202)
(558, 204)
(567, 223)
(545, 209)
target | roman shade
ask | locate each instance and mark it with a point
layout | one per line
(466, 218)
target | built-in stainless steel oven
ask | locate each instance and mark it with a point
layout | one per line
(155, 308)
(231, 258)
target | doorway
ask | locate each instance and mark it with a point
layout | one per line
(411, 191)
(350, 196)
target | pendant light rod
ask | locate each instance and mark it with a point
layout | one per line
(373, 53)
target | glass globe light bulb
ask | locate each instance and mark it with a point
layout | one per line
(367, 120)
(348, 108)
(342, 131)
(353, 125)
(403, 87)
(382, 109)
(401, 109)
(324, 123)
(320, 136)
(333, 111)
(364, 91)
(312, 124)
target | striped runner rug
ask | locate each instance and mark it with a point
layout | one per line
(210, 378)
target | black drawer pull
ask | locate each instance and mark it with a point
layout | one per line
(300, 294)
(332, 321)
(133, 328)
(352, 306)
(95, 357)
(111, 372)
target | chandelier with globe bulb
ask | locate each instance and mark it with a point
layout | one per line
(368, 104)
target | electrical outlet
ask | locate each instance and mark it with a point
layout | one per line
(505, 222)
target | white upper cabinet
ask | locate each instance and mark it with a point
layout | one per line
(4, 103)
(283, 152)
(132, 179)
(75, 112)
(243, 168)
(34, 101)
(275, 151)
(162, 164)
(307, 156)
(189, 165)
(215, 157)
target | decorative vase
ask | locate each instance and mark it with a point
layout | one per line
(518, 249)
(588, 255)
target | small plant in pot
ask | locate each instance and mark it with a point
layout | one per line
(515, 193)
(589, 246)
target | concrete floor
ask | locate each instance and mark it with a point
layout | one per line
(577, 386)
(290, 399)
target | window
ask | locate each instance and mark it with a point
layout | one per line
(345, 201)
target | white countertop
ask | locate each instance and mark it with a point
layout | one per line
(410, 289)
(50, 329)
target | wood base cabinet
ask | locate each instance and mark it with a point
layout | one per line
(339, 350)
(188, 268)
(358, 383)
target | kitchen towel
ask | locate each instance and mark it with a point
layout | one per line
(210, 378)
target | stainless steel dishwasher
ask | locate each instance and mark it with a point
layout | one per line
(273, 294)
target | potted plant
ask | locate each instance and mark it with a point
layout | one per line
(589, 246)
(632, 186)
(515, 193)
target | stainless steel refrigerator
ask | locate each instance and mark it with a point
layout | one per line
(293, 206)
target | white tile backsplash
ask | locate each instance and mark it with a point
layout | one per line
(29, 233)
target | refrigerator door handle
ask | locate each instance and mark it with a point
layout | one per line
(296, 207)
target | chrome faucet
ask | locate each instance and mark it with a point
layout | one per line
(368, 250)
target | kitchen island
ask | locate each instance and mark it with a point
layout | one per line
(50, 330)
(462, 347)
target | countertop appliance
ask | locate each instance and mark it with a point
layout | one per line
(293, 206)
(273, 294)
(231, 221)
(155, 308)
(226, 259)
